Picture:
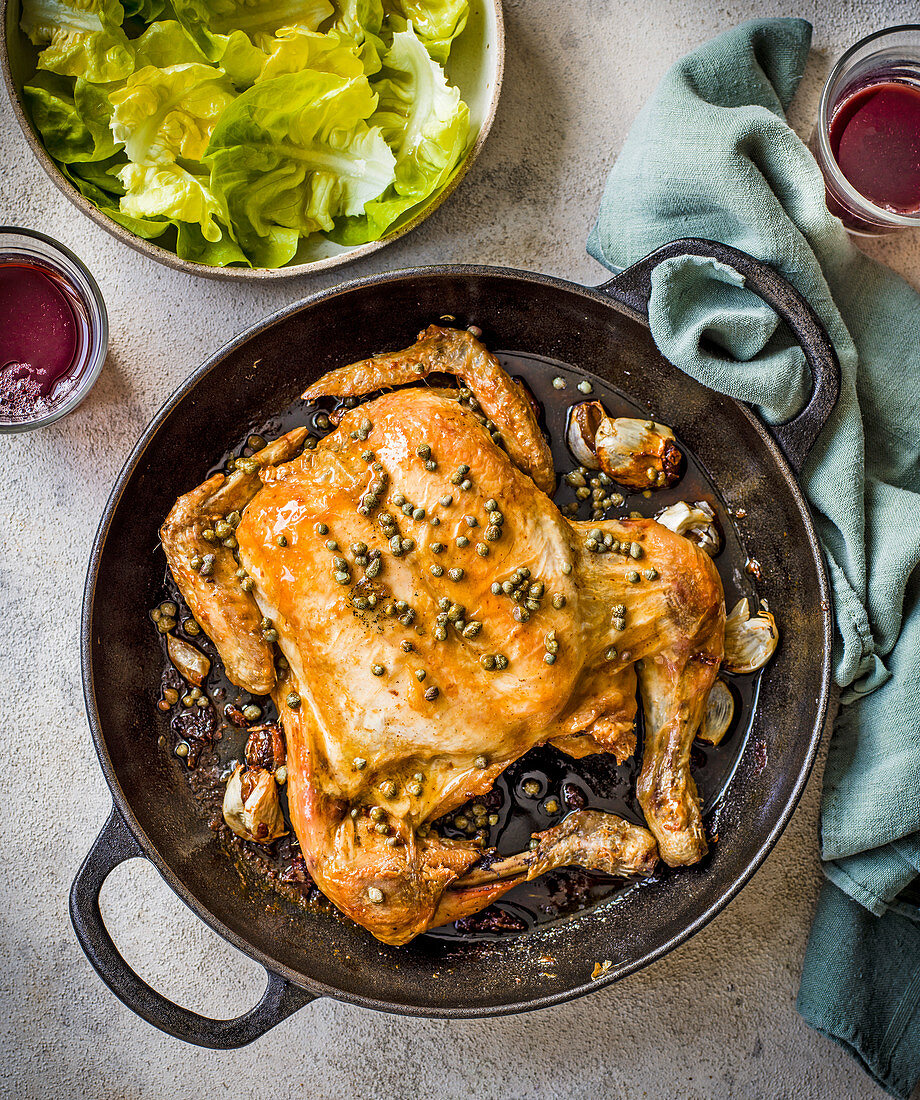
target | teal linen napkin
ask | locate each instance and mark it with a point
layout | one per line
(711, 155)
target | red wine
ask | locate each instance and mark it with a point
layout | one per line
(875, 138)
(44, 335)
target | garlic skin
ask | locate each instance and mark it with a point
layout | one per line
(251, 807)
(749, 642)
(720, 710)
(190, 662)
(696, 522)
(584, 420)
(639, 454)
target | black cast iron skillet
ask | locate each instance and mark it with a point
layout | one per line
(603, 330)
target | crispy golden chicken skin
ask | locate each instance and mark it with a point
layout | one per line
(439, 617)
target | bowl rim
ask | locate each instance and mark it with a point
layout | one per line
(163, 256)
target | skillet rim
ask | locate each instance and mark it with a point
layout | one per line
(604, 294)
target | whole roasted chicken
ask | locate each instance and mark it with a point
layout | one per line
(423, 615)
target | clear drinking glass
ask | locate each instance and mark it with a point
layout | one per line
(31, 251)
(867, 140)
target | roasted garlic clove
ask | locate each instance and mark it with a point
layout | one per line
(584, 420)
(637, 453)
(251, 807)
(190, 662)
(720, 709)
(749, 643)
(697, 522)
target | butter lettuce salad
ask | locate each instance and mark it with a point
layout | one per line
(230, 130)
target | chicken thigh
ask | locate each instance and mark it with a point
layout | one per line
(423, 615)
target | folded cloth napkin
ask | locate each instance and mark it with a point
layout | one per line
(711, 155)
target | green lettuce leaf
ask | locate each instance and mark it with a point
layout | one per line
(102, 174)
(192, 245)
(436, 22)
(295, 48)
(173, 192)
(252, 16)
(295, 152)
(427, 126)
(358, 18)
(71, 116)
(145, 10)
(362, 22)
(149, 229)
(81, 38)
(168, 43)
(162, 114)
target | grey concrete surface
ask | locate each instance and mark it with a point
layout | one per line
(715, 1019)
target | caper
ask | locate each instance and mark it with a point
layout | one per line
(251, 712)
(455, 574)
(293, 700)
(359, 763)
(487, 661)
(321, 529)
(431, 694)
(481, 762)
(632, 576)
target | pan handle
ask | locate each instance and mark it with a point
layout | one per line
(113, 846)
(633, 287)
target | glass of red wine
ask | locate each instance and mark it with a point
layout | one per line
(54, 330)
(867, 140)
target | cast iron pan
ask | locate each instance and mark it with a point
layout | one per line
(603, 330)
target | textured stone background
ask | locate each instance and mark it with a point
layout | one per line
(716, 1018)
